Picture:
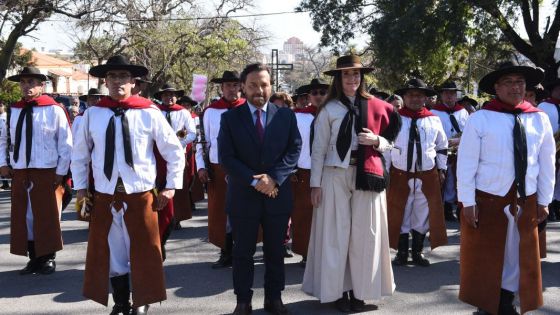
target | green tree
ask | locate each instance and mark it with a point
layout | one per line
(21, 17)
(437, 39)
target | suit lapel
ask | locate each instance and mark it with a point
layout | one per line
(271, 111)
(247, 121)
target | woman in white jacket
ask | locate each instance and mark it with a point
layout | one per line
(348, 255)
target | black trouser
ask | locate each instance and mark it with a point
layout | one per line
(245, 233)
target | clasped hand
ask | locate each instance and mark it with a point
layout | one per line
(367, 137)
(266, 185)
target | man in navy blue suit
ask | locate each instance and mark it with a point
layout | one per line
(259, 145)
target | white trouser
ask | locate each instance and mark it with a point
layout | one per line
(29, 214)
(510, 273)
(416, 210)
(450, 190)
(119, 244)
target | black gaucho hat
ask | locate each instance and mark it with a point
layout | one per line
(143, 80)
(91, 92)
(448, 86)
(348, 62)
(30, 72)
(533, 76)
(227, 76)
(167, 87)
(416, 84)
(118, 62)
(552, 84)
(187, 100)
(379, 94)
(316, 83)
(469, 100)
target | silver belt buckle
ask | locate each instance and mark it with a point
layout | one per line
(120, 186)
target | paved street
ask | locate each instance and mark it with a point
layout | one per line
(194, 288)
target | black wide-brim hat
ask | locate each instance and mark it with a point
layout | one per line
(317, 83)
(532, 75)
(348, 62)
(375, 92)
(552, 84)
(227, 76)
(143, 80)
(471, 101)
(91, 92)
(186, 99)
(30, 72)
(448, 86)
(416, 84)
(169, 88)
(118, 62)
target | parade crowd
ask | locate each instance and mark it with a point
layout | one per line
(336, 172)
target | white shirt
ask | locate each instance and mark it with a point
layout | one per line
(182, 119)
(52, 140)
(211, 121)
(552, 113)
(304, 121)
(432, 139)
(146, 127)
(461, 116)
(486, 160)
(76, 124)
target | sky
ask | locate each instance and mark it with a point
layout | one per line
(54, 35)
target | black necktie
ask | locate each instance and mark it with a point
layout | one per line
(344, 137)
(414, 139)
(520, 154)
(454, 122)
(27, 114)
(168, 116)
(110, 142)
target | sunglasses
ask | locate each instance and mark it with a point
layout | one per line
(318, 92)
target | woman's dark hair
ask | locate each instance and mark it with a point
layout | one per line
(254, 67)
(336, 91)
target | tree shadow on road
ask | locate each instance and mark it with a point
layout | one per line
(68, 283)
(416, 279)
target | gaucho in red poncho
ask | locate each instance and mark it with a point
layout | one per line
(118, 137)
(39, 143)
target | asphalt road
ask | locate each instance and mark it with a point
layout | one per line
(194, 288)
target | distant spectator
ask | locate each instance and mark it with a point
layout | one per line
(396, 101)
(282, 99)
(73, 111)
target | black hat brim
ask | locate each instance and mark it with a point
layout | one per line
(42, 77)
(85, 96)
(429, 92)
(533, 76)
(550, 85)
(221, 80)
(178, 93)
(305, 89)
(363, 70)
(101, 70)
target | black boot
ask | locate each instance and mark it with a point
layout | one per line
(225, 254)
(141, 310)
(358, 305)
(556, 209)
(343, 304)
(417, 247)
(121, 295)
(552, 209)
(506, 303)
(47, 265)
(401, 258)
(32, 265)
(448, 212)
